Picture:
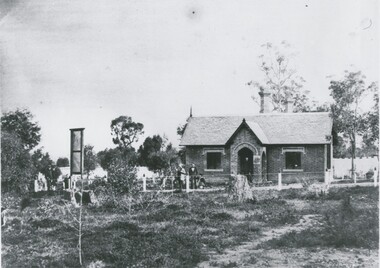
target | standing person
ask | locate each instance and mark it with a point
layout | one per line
(183, 173)
(193, 172)
(178, 177)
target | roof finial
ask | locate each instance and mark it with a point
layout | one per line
(191, 111)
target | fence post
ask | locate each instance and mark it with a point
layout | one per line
(36, 186)
(144, 183)
(187, 184)
(375, 178)
(354, 175)
(327, 177)
(279, 181)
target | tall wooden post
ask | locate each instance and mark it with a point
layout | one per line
(76, 168)
(279, 187)
(144, 183)
(187, 184)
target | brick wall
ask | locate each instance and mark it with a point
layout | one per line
(195, 155)
(245, 138)
(312, 162)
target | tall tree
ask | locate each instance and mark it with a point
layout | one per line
(20, 123)
(150, 145)
(348, 118)
(157, 154)
(19, 134)
(63, 162)
(280, 78)
(125, 131)
(17, 171)
(371, 124)
(107, 156)
(89, 159)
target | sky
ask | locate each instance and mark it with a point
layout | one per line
(84, 63)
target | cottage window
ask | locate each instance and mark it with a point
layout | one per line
(293, 160)
(214, 160)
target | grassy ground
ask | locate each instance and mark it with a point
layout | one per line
(186, 230)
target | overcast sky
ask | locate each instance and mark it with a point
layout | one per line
(83, 63)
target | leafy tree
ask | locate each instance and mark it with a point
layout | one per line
(339, 146)
(182, 151)
(314, 106)
(348, 119)
(19, 135)
(106, 156)
(63, 162)
(371, 122)
(181, 129)
(21, 124)
(89, 159)
(280, 78)
(17, 171)
(150, 145)
(46, 166)
(156, 154)
(125, 131)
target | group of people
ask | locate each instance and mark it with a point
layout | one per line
(194, 177)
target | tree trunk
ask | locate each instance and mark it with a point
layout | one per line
(353, 155)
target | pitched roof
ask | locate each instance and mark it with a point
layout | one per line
(271, 128)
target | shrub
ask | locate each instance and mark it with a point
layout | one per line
(122, 177)
(369, 174)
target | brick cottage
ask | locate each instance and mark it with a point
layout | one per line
(299, 145)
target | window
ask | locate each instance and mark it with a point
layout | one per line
(293, 160)
(214, 160)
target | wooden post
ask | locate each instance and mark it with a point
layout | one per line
(375, 178)
(354, 175)
(36, 186)
(187, 184)
(327, 178)
(144, 183)
(279, 181)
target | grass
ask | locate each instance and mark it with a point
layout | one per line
(351, 224)
(181, 230)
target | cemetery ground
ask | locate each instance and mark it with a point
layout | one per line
(292, 227)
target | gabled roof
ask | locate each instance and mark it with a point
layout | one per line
(272, 128)
(254, 127)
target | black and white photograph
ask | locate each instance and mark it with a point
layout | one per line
(189, 133)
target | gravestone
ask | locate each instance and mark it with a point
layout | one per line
(239, 188)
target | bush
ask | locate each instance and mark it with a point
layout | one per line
(122, 177)
(119, 189)
(369, 174)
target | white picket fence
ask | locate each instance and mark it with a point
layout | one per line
(342, 166)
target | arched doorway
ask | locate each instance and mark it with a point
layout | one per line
(245, 160)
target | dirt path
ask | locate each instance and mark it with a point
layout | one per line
(248, 255)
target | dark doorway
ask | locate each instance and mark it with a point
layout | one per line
(246, 162)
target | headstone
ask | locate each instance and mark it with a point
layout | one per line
(240, 189)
